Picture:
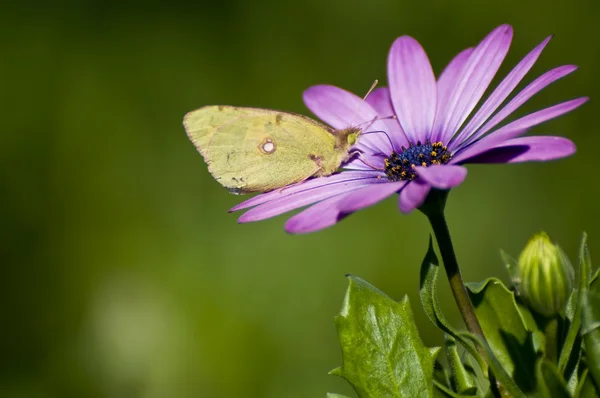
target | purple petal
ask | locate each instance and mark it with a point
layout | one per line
(304, 198)
(319, 216)
(369, 196)
(366, 162)
(335, 106)
(515, 129)
(328, 212)
(412, 87)
(445, 85)
(413, 195)
(502, 91)
(525, 94)
(475, 77)
(527, 149)
(340, 178)
(442, 176)
(341, 109)
(380, 100)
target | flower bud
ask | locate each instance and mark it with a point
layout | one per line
(545, 276)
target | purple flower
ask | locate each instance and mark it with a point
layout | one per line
(429, 139)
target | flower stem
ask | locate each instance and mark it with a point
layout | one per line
(442, 235)
(551, 333)
(433, 208)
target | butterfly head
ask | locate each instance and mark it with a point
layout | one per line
(347, 137)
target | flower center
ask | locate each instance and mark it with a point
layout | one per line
(401, 166)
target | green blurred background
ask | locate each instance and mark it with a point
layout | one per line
(123, 275)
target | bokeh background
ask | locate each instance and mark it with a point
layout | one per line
(123, 275)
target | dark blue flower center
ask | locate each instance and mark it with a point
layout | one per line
(401, 166)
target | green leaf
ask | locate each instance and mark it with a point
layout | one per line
(445, 392)
(427, 291)
(333, 395)
(585, 266)
(572, 377)
(586, 387)
(480, 379)
(590, 331)
(594, 281)
(505, 331)
(571, 305)
(463, 382)
(382, 354)
(508, 385)
(573, 369)
(550, 383)
(528, 319)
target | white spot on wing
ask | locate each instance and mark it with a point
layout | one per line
(268, 147)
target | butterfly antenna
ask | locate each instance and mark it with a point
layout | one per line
(375, 83)
(363, 100)
(386, 134)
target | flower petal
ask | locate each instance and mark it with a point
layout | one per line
(366, 162)
(442, 176)
(369, 196)
(475, 77)
(412, 88)
(515, 129)
(314, 183)
(332, 104)
(342, 109)
(328, 212)
(445, 86)
(527, 149)
(413, 195)
(319, 216)
(533, 88)
(502, 91)
(380, 100)
(304, 198)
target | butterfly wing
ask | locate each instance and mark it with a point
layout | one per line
(258, 150)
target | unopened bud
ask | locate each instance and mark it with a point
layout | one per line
(544, 275)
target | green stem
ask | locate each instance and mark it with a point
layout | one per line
(551, 333)
(433, 208)
(442, 235)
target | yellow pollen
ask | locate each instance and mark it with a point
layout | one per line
(424, 164)
(412, 166)
(433, 153)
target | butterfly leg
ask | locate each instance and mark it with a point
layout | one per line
(360, 157)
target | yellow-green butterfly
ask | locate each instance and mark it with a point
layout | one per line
(259, 150)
